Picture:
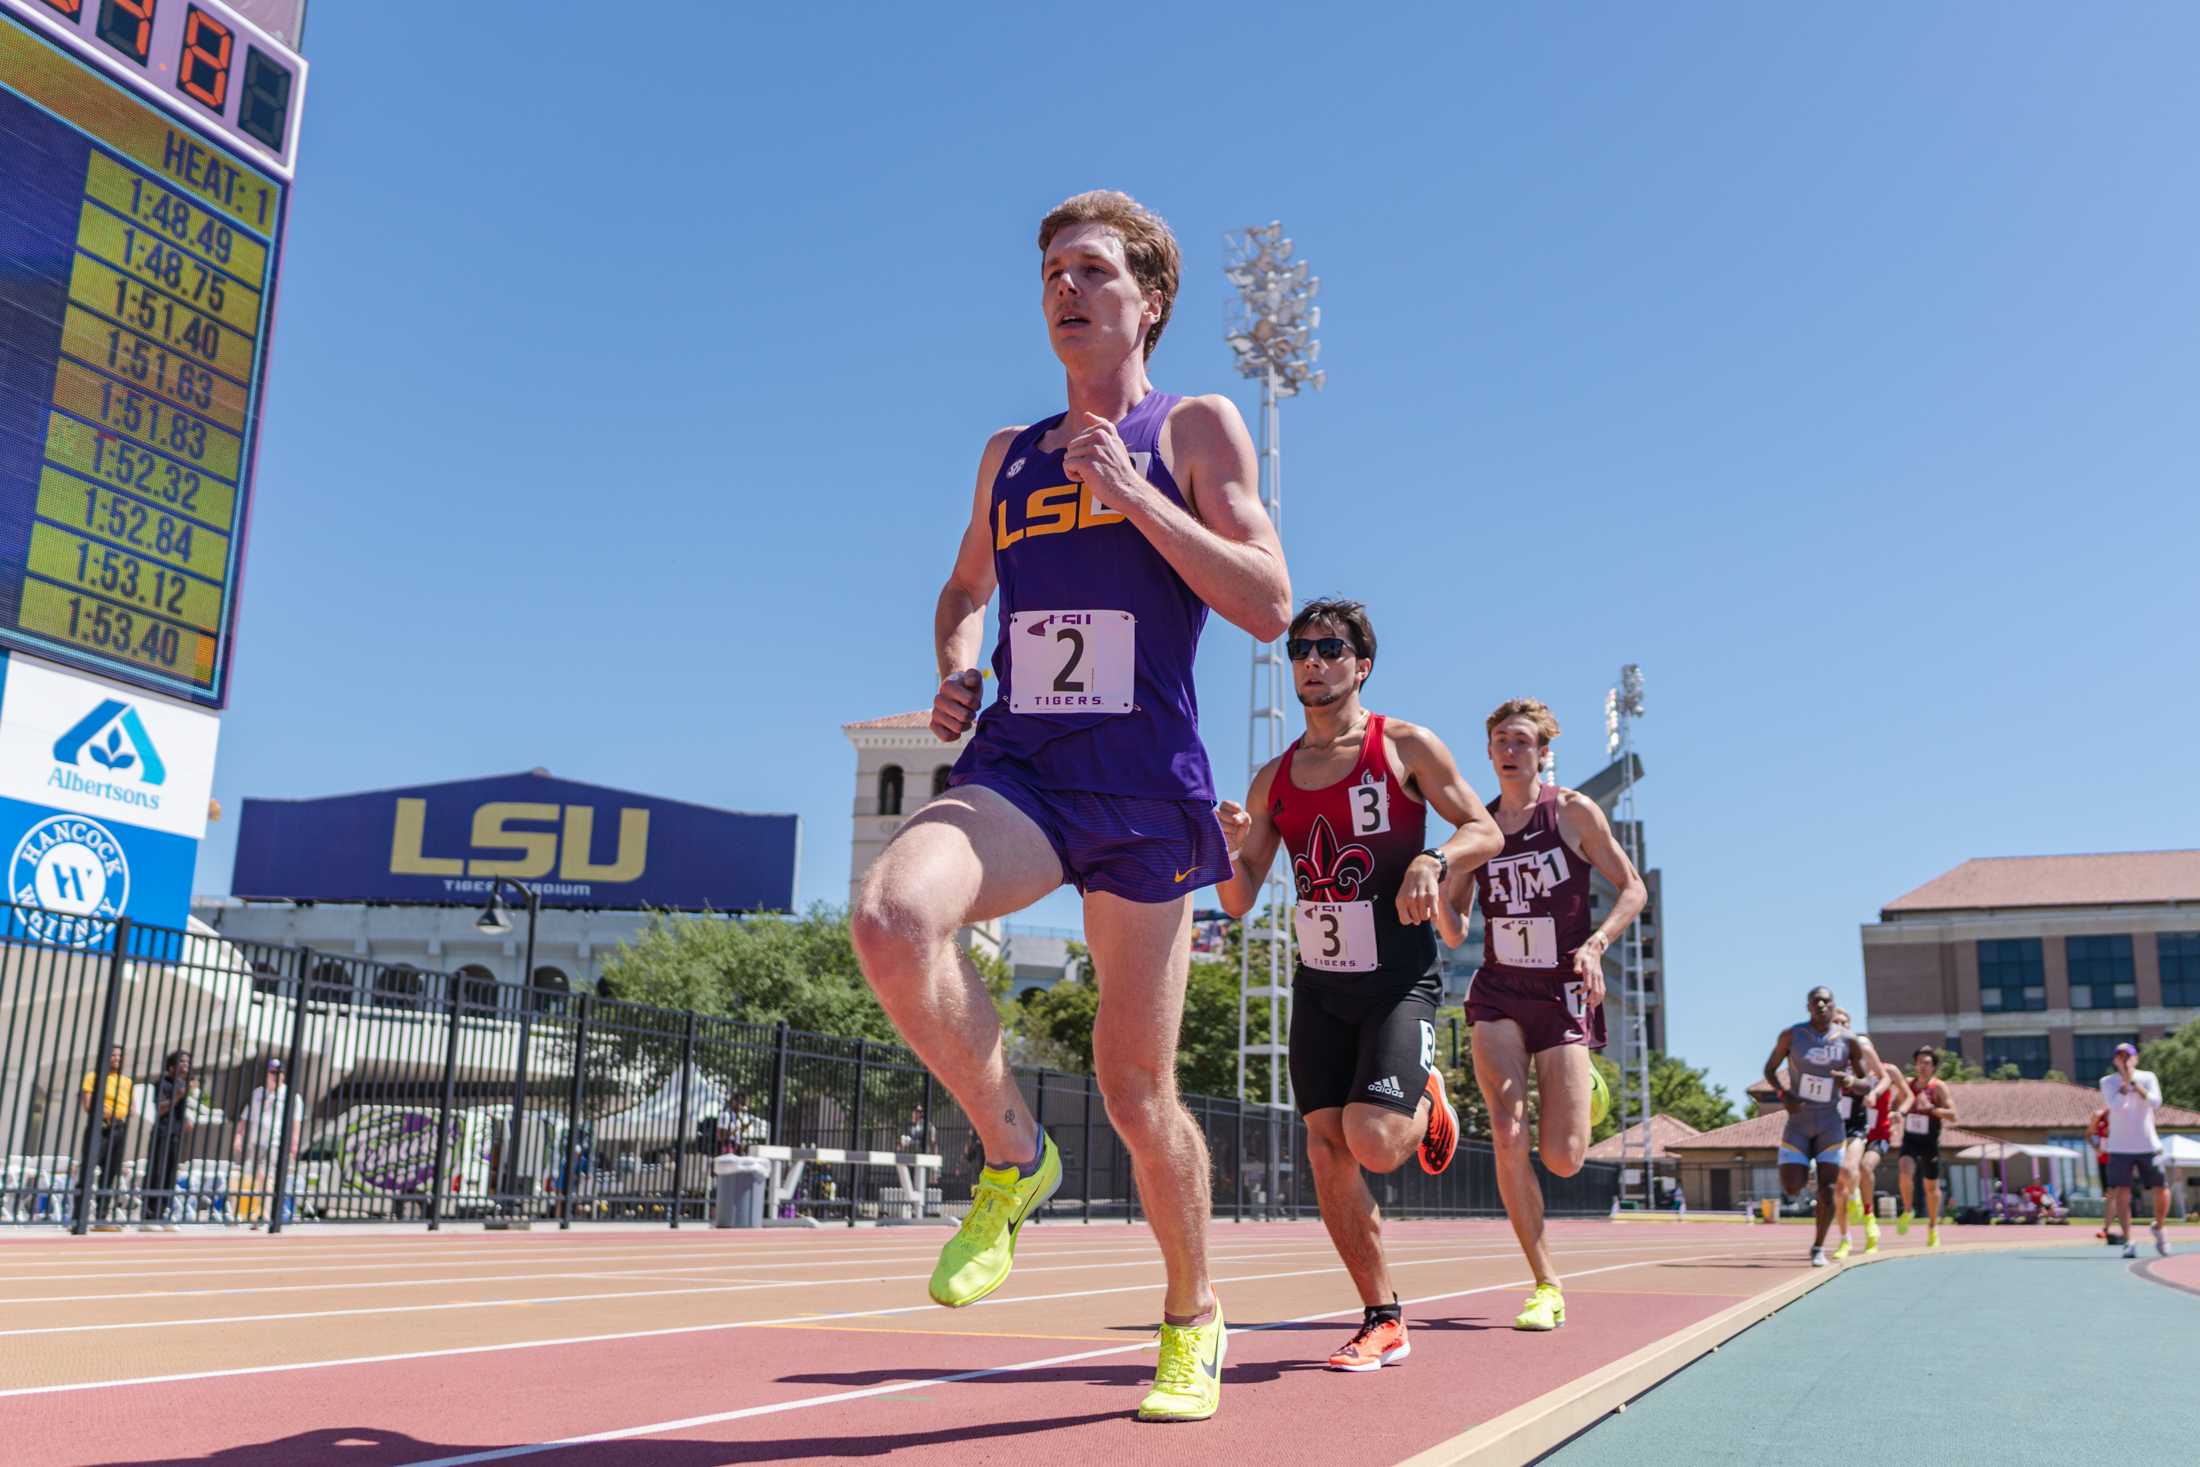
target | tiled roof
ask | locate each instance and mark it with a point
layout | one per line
(1763, 1132)
(897, 720)
(1664, 1130)
(2119, 878)
(2004, 1104)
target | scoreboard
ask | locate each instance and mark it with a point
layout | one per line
(145, 167)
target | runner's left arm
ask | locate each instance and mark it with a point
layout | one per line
(1431, 770)
(1250, 833)
(1581, 821)
(1226, 547)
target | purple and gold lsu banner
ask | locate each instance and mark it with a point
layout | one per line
(579, 845)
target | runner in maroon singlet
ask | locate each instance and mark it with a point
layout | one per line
(1350, 801)
(1540, 993)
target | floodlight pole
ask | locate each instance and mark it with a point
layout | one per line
(1270, 328)
(1622, 706)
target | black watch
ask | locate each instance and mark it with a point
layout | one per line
(1443, 867)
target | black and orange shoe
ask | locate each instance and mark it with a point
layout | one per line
(1441, 1141)
(1380, 1342)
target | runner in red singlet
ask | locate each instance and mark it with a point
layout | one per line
(1874, 1088)
(1350, 801)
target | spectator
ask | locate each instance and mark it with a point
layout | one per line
(919, 1137)
(1680, 1200)
(113, 1117)
(171, 1122)
(267, 1129)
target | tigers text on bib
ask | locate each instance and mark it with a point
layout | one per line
(1336, 937)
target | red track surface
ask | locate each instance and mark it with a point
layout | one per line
(698, 1348)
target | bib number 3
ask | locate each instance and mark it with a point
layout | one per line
(1072, 661)
(1336, 937)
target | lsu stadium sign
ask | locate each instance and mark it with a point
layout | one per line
(579, 845)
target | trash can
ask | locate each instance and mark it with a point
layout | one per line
(742, 1182)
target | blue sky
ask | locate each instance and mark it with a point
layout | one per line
(1838, 367)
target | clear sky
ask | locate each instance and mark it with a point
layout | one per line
(1839, 367)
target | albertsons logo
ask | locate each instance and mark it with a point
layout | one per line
(69, 879)
(108, 754)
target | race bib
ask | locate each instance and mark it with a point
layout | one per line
(1073, 661)
(1525, 942)
(1917, 1125)
(1370, 806)
(1816, 1088)
(1336, 937)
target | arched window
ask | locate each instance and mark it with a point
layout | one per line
(477, 989)
(397, 988)
(939, 779)
(549, 992)
(889, 790)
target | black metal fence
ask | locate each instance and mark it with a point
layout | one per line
(163, 1078)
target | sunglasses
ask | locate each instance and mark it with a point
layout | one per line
(1328, 649)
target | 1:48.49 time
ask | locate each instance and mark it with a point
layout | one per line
(118, 631)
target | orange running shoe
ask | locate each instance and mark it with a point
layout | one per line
(1441, 1142)
(1380, 1342)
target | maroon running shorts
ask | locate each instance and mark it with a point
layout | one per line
(1549, 1013)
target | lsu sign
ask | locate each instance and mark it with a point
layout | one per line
(578, 845)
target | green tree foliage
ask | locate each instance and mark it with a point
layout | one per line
(1951, 1066)
(2175, 1060)
(758, 969)
(2006, 1070)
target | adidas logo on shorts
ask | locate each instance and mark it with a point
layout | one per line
(1388, 1085)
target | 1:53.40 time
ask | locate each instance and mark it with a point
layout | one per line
(117, 630)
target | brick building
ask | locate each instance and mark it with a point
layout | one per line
(2044, 962)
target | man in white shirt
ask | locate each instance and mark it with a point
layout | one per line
(2132, 1096)
(268, 1125)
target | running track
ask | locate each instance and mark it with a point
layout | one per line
(700, 1348)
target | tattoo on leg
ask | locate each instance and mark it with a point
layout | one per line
(1009, 1116)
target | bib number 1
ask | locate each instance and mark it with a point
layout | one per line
(1072, 661)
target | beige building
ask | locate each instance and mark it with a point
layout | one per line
(2044, 962)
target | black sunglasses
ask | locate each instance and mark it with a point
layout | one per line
(1329, 649)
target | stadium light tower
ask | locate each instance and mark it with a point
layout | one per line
(1622, 706)
(1270, 327)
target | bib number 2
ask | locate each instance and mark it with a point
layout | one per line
(1072, 661)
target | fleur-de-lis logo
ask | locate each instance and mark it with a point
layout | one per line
(1327, 871)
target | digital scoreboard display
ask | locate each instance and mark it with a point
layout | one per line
(145, 165)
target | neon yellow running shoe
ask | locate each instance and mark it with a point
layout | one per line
(1902, 1222)
(1871, 1233)
(1842, 1251)
(1856, 1209)
(1187, 1384)
(1932, 1237)
(1546, 1309)
(976, 1260)
(1600, 1096)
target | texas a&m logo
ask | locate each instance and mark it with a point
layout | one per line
(1518, 880)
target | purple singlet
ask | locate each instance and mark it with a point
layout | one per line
(1096, 633)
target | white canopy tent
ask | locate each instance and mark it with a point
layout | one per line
(655, 1120)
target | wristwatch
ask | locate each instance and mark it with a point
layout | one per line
(1443, 867)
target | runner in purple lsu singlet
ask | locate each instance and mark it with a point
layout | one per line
(1094, 734)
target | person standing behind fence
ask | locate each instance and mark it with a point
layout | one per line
(171, 1122)
(270, 1119)
(113, 1118)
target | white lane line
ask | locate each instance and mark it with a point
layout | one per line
(1147, 1254)
(660, 1293)
(501, 1454)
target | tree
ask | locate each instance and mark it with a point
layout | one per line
(759, 969)
(2175, 1060)
(1054, 1028)
(1951, 1066)
(2006, 1070)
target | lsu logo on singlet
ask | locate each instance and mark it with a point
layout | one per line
(1519, 880)
(1056, 509)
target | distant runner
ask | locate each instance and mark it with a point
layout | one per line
(1931, 1106)
(1864, 1106)
(1818, 1055)
(2132, 1096)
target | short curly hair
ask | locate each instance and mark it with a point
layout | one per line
(1535, 710)
(1156, 263)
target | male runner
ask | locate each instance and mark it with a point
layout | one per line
(1350, 800)
(1821, 1056)
(1931, 1106)
(1865, 1105)
(1110, 529)
(2132, 1096)
(1539, 995)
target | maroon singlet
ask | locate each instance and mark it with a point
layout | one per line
(1535, 917)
